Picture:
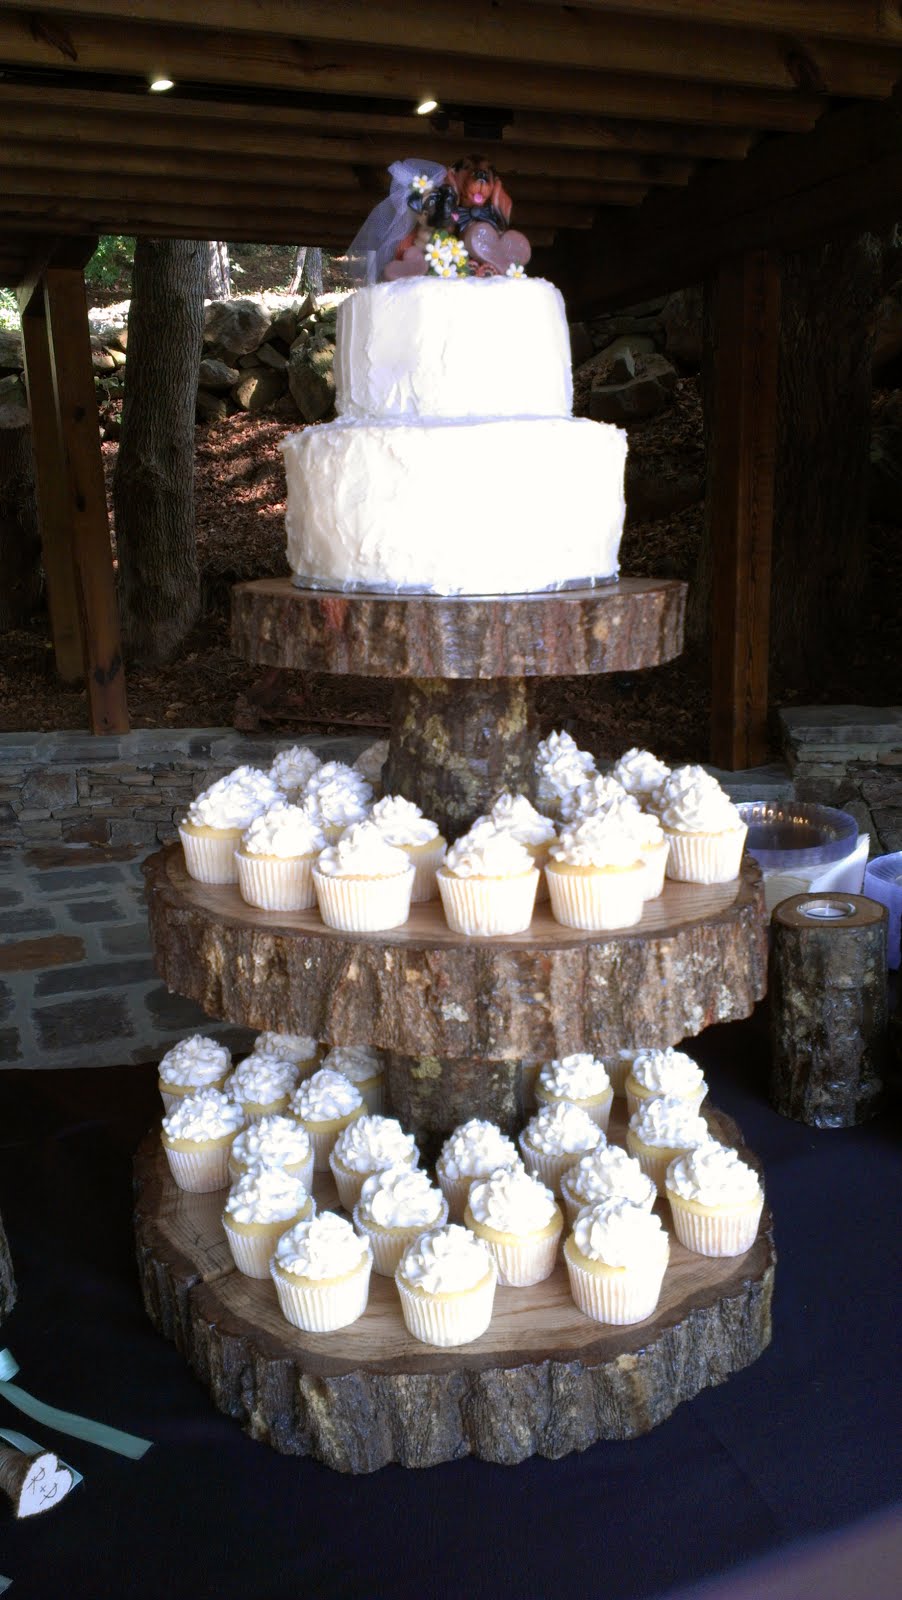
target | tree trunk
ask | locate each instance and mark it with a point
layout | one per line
(308, 269)
(299, 262)
(219, 278)
(21, 579)
(153, 485)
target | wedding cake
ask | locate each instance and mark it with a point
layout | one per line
(455, 465)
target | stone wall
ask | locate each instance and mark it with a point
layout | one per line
(850, 756)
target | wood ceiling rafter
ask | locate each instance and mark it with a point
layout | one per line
(877, 22)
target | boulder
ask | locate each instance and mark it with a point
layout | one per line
(210, 407)
(216, 376)
(235, 326)
(631, 398)
(11, 356)
(12, 390)
(270, 356)
(101, 360)
(683, 319)
(310, 377)
(258, 389)
(638, 344)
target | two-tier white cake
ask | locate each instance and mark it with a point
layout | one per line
(455, 465)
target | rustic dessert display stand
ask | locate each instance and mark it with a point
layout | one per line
(460, 1020)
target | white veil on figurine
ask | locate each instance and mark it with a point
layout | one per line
(390, 221)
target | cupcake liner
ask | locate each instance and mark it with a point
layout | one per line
(451, 1320)
(597, 1110)
(520, 1262)
(615, 1295)
(547, 1165)
(425, 859)
(638, 1097)
(321, 1305)
(255, 1109)
(455, 1191)
(597, 901)
(540, 853)
(347, 1182)
(390, 1244)
(654, 859)
(373, 1091)
(363, 905)
(322, 1138)
(653, 1159)
(210, 857)
(721, 1231)
(486, 907)
(618, 1069)
(252, 1252)
(203, 1170)
(275, 883)
(705, 857)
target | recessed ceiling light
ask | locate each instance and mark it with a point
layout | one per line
(425, 106)
(160, 85)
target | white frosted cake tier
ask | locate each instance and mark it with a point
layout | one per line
(455, 507)
(473, 347)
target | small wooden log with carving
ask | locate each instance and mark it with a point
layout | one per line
(33, 1481)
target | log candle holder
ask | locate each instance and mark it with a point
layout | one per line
(33, 1481)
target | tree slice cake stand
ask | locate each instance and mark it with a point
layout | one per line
(459, 1019)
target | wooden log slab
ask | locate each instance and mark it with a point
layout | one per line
(698, 956)
(7, 1279)
(828, 1008)
(543, 1380)
(619, 627)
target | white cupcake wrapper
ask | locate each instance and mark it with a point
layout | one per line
(655, 858)
(323, 1307)
(548, 1166)
(525, 1262)
(252, 1252)
(597, 901)
(210, 857)
(455, 1191)
(390, 1244)
(274, 884)
(363, 905)
(717, 1233)
(425, 859)
(487, 907)
(457, 1320)
(705, 857)
(653, 1159)
(618, 1297)
(201, 1171)
(598, 1112)
(634, 1101)
(322, 1142)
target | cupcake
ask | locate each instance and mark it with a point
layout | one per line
(211, 832)
(488, 882)
(275, 858)
(297, 1047)
(363, 884)
(596, 876)
(292, 770)
(262, 1205)
(192, 1064)
(473, 1150)
(669, 1072)
(363, 1065)
(197, 1135)
(560, 767)
(368, 1145)
(715, 1199)
(640, 773)
(403, 825)
(704, 828)
(606, 1173)
(337, 796)
(395, 1207)
(262, 1086)
(321, 1270)
(273, 1142)
(661, 1130)
(582, 1080)
(555, 1138)
(325, 1104)
(618, 1063)
(598, 793)
(529, 828)
(616, 1258)
(519, 1220)
(446, 1280)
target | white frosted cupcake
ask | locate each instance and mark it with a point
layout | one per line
(363, 1065)
(300, 1048)
(337, 797)
(616, 1258)
(192, 1064)
(560, 767)
(580, 1079)
(325, 1104)
(596, 875)
(640, 773)
(197, 1135)
(366, 1146)
(363, 884)
(275, 858)
(667, 1071)
(404, 826)
(446, 1280)
(704, 828)
(395, 1207)
(321, 1270)
(262, 1205)
(606, 1173)
(472, 1150)
(273, 1142)
(262, 1085)
(529, 828)
(555, 1138)
(596, 794)
(661, 1130)
(488, 882)
(716, 1201)
(211, 832)
(292, 770)
(520, 1221)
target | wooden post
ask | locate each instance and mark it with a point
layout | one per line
(73, 382)
(50, 483)
(741, 496)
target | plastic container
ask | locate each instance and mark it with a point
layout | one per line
(793, 834)
(883, 882)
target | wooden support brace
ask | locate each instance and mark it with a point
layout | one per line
(741, 495)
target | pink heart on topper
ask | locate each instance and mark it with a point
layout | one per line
(411, 265)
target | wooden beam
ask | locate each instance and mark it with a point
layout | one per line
(741, 503)
(652, 93)
(877, 22)
(70, 252)
(690, 47)
(76, 404)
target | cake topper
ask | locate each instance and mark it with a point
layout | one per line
(452, 222)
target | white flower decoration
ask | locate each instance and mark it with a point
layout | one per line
(421, 183)
(515, 270)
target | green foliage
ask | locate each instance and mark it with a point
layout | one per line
(110, 267)
(9, 310)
